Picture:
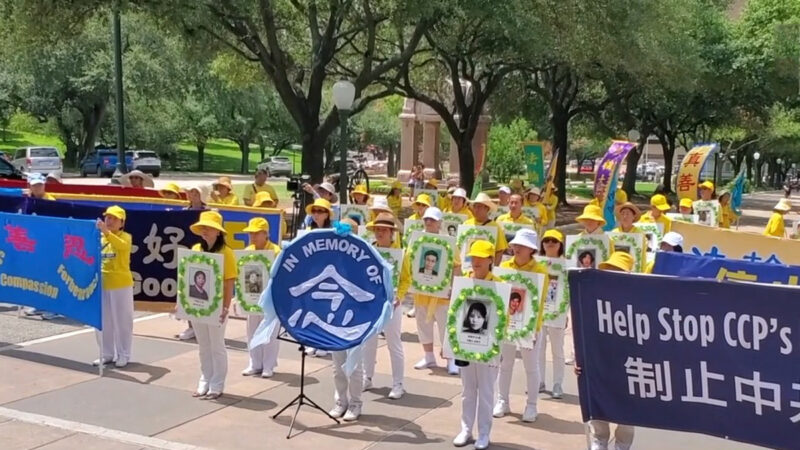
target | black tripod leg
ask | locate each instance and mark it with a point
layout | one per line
(296, 400)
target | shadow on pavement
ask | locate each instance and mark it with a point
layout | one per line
(369, 428)
(411, 400)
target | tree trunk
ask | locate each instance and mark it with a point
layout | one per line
(312, 151)
(262, 147)
(92, 120)
(668, 149)
(201, 154)
(631, 163)
(466, 163)
(390, 169)
(559, 120)
(244, 147)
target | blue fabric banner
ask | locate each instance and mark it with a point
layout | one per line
(51, 264)
(688, 265)
(689, 355)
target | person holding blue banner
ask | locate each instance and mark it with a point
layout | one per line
(263, 358)
(478, 379)
(525, 245)
(171, 192)
(117, 308)
(37, 188)
(320, 213)
(658, 206)
(211, 338)
(627, 214)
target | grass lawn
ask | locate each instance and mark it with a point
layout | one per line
(223, 155)
(16, 139)
(642, 188)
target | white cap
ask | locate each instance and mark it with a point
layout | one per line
(526, 238)
(35, 179)
(54, 175)
(460, 192)
(328, 187)
(379, 203)
(433, 213)
(505, 190)
(672, 238)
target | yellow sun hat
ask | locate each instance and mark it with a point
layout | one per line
(620, 197)
(361, 189)
(319, 203)
(433, 182)
(383, 220)
(115, 211)
(706, 185)
(170, 187)
(686, 202)
(553, 234)
(630, 206)
(591, 212)
(783, 205)
(481, 249)
(660, 202)
(263, 197)
(223, 181)
(257, 224)
(423, 199)
(211, 219)
(397, 185)
(618, 260)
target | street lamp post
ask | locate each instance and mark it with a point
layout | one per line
(123, 167)
(756, 157)
(343, 95)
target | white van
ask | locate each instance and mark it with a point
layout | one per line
(37, 160)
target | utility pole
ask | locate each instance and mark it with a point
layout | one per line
(121, 165)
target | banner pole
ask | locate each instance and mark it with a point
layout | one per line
(102, 362)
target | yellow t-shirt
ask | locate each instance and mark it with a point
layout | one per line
(229, 269)
(662, 219)
(116, 265)
(543, 216)
(775, 226)
(252, 189)
(47, 196)
(726, 216)
(230, 199)
(502, 243)
(443, 202)
(551, 204)
(633, 229)
(466, 211)
(535, 267)
(270, 246)
(489, 277)
(522, 219)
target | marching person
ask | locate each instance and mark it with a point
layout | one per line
(324, 191)
(211, 337)
(264, 358)
(525, 245)
(600, 430)
(171, 192)
(706, 190)
(197, 196)
(514, 214)
(360, 195)
(223, 192)
(478, 379)
(627, 214)
(775, 226)
(37, 188)
(534, 199)
(395, 198)
(551, 204)
(685, 206)
(320, 213)
(727, 216)
(553, 330)
(136, 179)
(458, 203)
(420, 205)
(379, 205)
(259, 185)
(503, 196)
(592, 220)
(658, 206)
(385, 228)
(482, 206)
(671, 242)
(117, 335)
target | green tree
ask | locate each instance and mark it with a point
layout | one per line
(505, 152)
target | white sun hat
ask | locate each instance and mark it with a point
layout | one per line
(526, 238)
(433, 213)
(672, 238)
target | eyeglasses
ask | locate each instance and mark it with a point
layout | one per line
(549, 241)
(319, 211)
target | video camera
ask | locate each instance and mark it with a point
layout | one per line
(296, 182)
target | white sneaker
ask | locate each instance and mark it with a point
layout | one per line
(321, 353)
(412, 313)
(570, 361)
(121, 362)
(311, 351)
(530, 414)
(104, 361)
(462, 439)
(352, 414)
(482, 443)
(558, 391)
(367, 384)
(397, 392)
(250, 371)
(501, 408)
(452, 368)
(425, 364)
(267, 373)
(186, 334)
(338, 411)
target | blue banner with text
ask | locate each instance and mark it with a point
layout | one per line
(687, 265)
(689, 355)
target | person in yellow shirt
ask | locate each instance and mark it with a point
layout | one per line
(395, 198)
(706, 190)
(360, 195)
(685, 206)
(658, 206)
(620, 197)
(320, 212)
(385, 229)
(458, 203)
(223, 192)
(171, 192)
(514, 214)
(37, 188)
(551, 204)
(592, 220)
(264, 199)
(503, 196)
(478, 379)
(264, 358)
(627, 214)
(553, 330)
(421, 203)
(775, 226)
(259, 185)
(211, 337)
(671, 242)
(482, 206)
(727, 216)
(525, 245)
(534, 199)
(117, 304)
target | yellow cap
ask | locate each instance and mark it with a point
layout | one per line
(686, 202)
(263, 197)
(553, 234)
(257, 224)
(211, 219)
(591, 212)
(620, 197)
(423, 199)
(433, 182)
(361, 189)
(707, 185)
(481, 249)
(660, 202)
(171, 187)
(618, 260)
(397, 185)
(319, 203)
(115, 211)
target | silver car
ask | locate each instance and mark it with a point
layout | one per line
(147, 161)
(37, 160)
(277, 166)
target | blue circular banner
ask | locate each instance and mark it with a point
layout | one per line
(329, 290)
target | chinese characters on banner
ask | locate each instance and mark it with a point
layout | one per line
(719, 243)
(605, 181)
(689, 355)
(690, 170)
(534, 161)
(687, 265)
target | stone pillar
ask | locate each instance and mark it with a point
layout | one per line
(454, 160)
(481, 141)
(408, 140)
(430, 148)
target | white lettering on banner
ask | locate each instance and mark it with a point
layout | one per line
(793, 404)
(153, 287)
(623, 324)
(341, 245)
(290, 262)
(704, 397)
(749, 331)
(756, 385)
(650, 378)
(687, 328)
(156, 250)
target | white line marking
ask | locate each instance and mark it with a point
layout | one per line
(73, 333)
(94, 430)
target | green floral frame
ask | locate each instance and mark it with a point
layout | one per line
(564, 304)
(529, 327)
(445, 283)
(253, 257)
(395, 267)
(639, 250)
(499, 330)
(476, 231)
(410, 227)
(708, 205)
(216, 301)
(588, 239)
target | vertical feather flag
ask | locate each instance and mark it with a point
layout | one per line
(736, 192)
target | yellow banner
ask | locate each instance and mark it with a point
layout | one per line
(720, 243)
(689, 172)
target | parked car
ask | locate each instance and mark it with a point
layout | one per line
(9, 172)
(277, 166)
(4, 156)
(102, 162)
(37, 160)
(145, 160)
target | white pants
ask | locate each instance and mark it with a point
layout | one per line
(265, 356)
(392, 330)
(213, 356)
(116, 337)
(477, 397)
(348, 390)
(556, 336)
(530, 358)
(600, 433)
(425, 327)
